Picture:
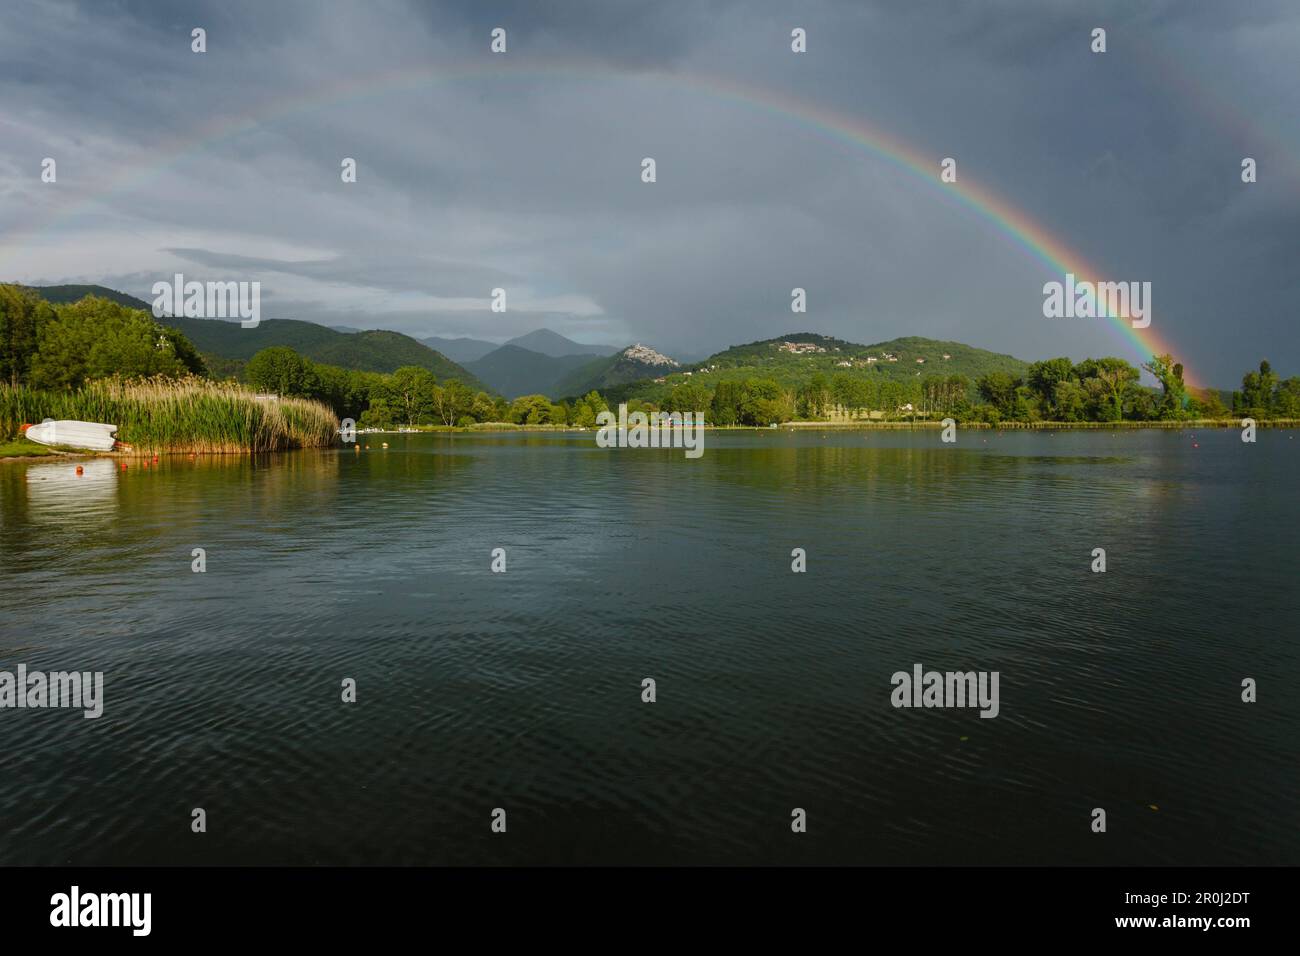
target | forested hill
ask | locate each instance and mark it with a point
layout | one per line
(367, 351)
(792, 360)
(632, 364)
(67, 294)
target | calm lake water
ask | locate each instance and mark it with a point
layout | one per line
(523, 690)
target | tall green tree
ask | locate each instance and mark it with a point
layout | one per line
(97, 338)
(1043, 379)
(1114, 378)
(452, 402)
(281, 370)
(725, 407)
(999, 390)
(22, 316)
(1173, 398)
(813, 397)
(1256, 396)
(688, 397)
(412, 393)
(1286, 400)
(535, 410)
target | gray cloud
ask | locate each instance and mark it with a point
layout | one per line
(523, 171)
(394, 271)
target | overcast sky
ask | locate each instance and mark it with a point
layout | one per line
(523, 170)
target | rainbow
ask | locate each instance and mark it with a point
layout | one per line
(1013, 223)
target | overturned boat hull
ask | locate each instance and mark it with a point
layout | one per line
(92, 436)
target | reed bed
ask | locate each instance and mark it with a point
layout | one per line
(170, 415)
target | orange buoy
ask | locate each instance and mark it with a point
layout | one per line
(80, 470)
(124, 466)
(155, 459)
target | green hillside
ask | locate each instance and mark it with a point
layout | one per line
(462, 350)
(67, 294)
(592, 375)
(772, 359)
(371, 351)
(612, 372)
(225, 345)
(556, 345)
(515, 371)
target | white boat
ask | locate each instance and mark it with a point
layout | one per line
(90, 435)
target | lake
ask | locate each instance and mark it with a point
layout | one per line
(523, 690)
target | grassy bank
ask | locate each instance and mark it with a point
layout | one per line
(190, 415)
(21, 448)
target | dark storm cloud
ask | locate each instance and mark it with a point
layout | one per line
(227, 164)
(394, 272)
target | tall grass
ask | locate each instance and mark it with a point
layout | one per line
(168, 415)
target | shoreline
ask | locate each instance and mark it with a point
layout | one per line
(42, 451)
(866, 425)
(1054, 426)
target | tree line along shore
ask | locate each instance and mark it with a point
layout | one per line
(98, 360)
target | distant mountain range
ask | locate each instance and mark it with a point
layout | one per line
(557, 346)
(545, 362)
(368, 351)
(462, 349)
(532, 364)
(542, 342)
(514, 371)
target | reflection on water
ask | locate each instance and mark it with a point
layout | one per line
(75, 492)
(522, 690)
